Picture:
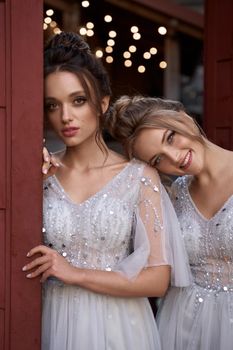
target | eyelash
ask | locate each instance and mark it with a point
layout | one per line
(77, 101)
(50, 107)
(80, 100)
(169, 140)
(170, 137)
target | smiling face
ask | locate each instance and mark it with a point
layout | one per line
(68, 110)
(171, 153)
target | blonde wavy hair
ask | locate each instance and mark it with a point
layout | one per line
(129, 115)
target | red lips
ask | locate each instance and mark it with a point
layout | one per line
(69, 132)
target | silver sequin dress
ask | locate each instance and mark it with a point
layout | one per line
(120, 228)
(200, 317)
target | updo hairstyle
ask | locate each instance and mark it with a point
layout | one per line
(129, 115)
(68, 52)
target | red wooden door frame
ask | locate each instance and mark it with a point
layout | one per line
(218, 121)
(21, 122)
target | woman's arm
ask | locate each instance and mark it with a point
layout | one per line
(152, 281)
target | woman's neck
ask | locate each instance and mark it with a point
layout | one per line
(217, 162)
(85, 156)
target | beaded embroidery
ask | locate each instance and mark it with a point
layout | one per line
(209, 244)
(97, 233)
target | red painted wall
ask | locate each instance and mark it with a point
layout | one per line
(21, 115)
(219, 72)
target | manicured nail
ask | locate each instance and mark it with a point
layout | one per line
(28, 254)
(24, 268)
(45, 171)
(29, 275)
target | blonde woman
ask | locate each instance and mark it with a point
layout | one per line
(160, 132)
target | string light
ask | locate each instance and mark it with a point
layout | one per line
(128, 63)
(134, 29)
(57, 30)
(90, 32)
(85, 3)
(112, 34)
(47, 20)
(147, 55)
(109, 59)
(132, 48)
(90, 25)
(163, 64)
(53, 24)
(111, 42)
(153, 51)
(99, 53)
(141, 69)
(83, 31)
(137, 36)
(108, 18)
(162, 30)
(49, 12)
(109, 49)
(126, 54)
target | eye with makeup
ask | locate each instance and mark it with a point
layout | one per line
(79, 100)
(51, 106)
(157, 161)
(170, 136)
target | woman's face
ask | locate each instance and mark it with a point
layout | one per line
(68, 110)
(171, 153)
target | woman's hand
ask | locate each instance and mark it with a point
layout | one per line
(50, 263)
(50, 163)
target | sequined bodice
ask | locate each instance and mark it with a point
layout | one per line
(97, 232)
(209, 243)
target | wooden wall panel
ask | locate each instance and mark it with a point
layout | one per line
(26, 186)
(2, 329)
(2, 159)
(2, 259)
(21, 134)
(2, 55)
(218, 122)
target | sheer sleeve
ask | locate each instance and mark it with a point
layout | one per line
(157, 235)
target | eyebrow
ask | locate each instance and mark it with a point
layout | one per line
(162, 141)
(75, 93)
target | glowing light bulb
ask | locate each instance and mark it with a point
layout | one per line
(126, 54)
(147, 55)
(128, 63)
(132, 48)
(108, 18)
(137, 36)
(163, 64)
(99, 53)
(85, 3)
(141, 69)
(134, 29)
(153, 51)
(162, 30)
(90, 25)
(49, 12)
(109, 59)
(112, 34)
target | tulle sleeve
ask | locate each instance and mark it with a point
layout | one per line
(157, 234)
